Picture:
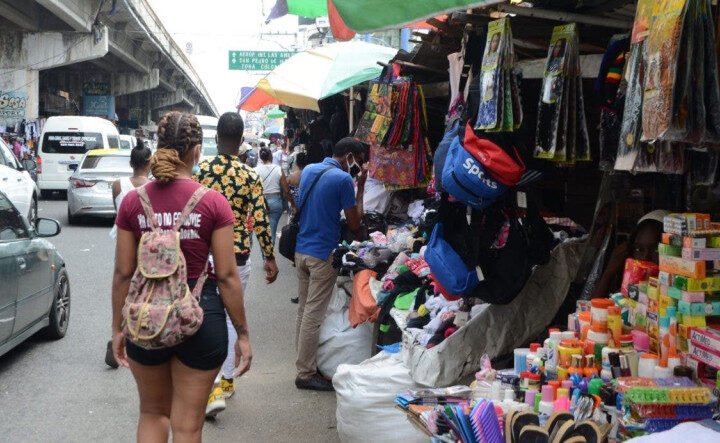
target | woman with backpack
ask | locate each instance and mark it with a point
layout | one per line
(175, 340)
(140, 164)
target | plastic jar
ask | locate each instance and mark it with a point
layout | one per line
(598, 335)
(646, 365)
(566, 349)
(599, 312)
(641, 341)
(584, 319)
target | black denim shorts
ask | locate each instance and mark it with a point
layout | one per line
(205, 350)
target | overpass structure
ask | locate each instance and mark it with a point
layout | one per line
(109, 58)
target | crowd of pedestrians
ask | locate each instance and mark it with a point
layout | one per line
(216, 207)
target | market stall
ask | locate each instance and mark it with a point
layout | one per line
(516, 150)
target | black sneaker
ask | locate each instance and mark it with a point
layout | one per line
(315, 383)
(295, 300)
(110, 357)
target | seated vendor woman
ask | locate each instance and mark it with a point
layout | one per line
(642, 245)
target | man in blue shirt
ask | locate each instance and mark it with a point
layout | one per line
(319, 235)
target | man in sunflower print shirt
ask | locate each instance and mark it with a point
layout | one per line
(227, 174)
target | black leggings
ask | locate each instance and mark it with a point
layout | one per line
(205, 350)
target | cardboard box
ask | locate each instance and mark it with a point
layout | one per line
(708, 284)
(669, 250)
(698, 254)
(665, 278)
(694, 321)
(688, 296)
(708, 338)
(687, 268)
(704, 355)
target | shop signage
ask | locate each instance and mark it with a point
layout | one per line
(96, 88)
(257, 60)
(12, 106)
(99, 106)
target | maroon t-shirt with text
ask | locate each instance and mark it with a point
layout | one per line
(211, 213)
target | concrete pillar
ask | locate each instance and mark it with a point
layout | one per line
(24, 55)
(125, 83)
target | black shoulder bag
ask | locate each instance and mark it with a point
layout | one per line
(289, 233)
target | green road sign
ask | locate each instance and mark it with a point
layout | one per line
(257, 60)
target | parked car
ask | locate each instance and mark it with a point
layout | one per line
(209, 144)
(17, 183)
(64, 141)
(127, 141)
(35, 294)
(90, 186)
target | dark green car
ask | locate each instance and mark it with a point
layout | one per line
(34, 285)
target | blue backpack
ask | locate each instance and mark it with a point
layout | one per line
(466, 179)
(448, 267)
(441, 153)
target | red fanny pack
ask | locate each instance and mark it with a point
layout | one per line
(501, 165)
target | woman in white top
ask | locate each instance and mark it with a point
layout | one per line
(140, 163)
(275, 187)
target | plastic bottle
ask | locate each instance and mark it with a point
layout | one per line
(550, 345)
(614, 325)
(664, 341)
(546, 404)
(627, 348)
(562, 402)
(530, 358)
(606, 373)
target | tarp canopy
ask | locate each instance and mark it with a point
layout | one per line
(375, 15)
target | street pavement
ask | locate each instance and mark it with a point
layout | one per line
(62, 391)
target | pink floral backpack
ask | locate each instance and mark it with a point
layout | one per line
(160, 311)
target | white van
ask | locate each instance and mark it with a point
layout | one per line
(207, 122)
(63, 143)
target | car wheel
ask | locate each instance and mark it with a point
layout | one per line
(73, 219)
(60, 309)
(33, 211)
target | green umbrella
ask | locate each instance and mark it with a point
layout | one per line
(276, 113)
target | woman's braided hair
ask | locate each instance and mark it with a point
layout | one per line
(177, 134)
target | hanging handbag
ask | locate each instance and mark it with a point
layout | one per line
(289, 233)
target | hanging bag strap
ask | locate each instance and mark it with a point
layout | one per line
(312, 185)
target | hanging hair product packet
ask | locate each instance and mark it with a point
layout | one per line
(663, 49)
(549, 108)
(631, 126)
(500, 108)
(492, 78)
(562, 134)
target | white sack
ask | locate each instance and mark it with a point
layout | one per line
(339, 343)
(366, 409)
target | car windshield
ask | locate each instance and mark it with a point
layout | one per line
(71, 142)
(125, 144)
(107, 163)
(209, 147)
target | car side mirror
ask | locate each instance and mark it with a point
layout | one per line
(29, 164)
(47, 227)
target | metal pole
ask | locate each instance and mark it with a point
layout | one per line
(351, 114)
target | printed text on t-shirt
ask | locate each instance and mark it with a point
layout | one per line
(167, 220)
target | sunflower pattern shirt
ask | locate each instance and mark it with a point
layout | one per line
(243, 189)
